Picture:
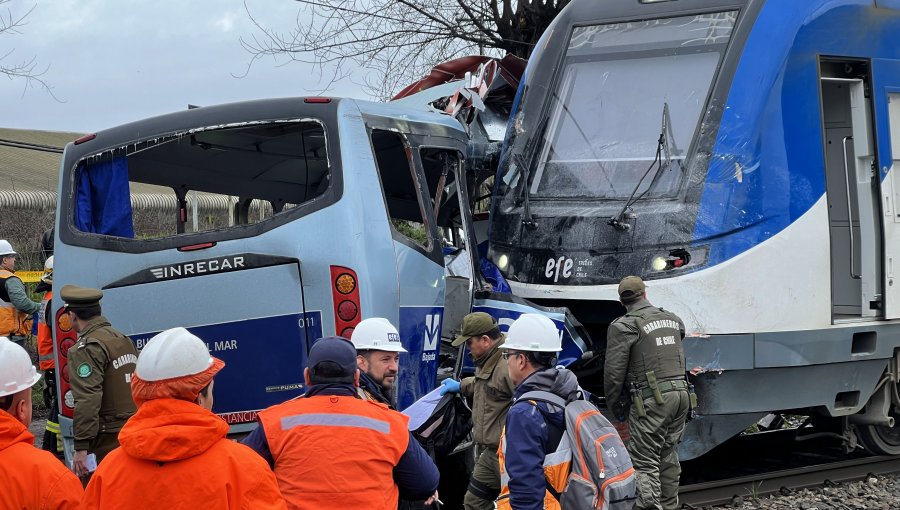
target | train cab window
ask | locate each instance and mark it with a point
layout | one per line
(401, 191)
(200, 181)
(629, 96)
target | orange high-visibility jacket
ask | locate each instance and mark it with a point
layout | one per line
(44, 334)
(12, 321)
(32, 478)
(174, 454)
(335, 451)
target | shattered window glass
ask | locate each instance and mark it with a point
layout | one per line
(627, 91)
(202, 180)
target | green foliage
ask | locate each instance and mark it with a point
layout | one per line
(413, 230)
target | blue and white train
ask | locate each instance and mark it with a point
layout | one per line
(741, 157)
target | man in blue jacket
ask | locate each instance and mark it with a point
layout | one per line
(528, 469)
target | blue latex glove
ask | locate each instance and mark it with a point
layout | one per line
(449, 386)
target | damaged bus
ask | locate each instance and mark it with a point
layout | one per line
(261, 226)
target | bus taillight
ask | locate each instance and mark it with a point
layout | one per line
(345, 297)
(66, 337)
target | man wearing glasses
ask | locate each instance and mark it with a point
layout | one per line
(101, 364)
(491, 394)
(528, 466)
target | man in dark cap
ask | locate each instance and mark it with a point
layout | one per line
(331, 448)
(644, 358)
(491, 392)
(100, 367)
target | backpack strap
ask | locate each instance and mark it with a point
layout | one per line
(547, 398)
(542, 396)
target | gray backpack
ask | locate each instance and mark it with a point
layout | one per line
(601, 475)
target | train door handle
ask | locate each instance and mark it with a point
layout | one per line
(849, 210)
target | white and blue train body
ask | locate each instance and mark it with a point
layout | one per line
(741, 156)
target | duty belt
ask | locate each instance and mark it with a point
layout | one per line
(665, 387)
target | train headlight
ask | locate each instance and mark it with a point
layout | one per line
(676, 259)
(502, 262)
(658, 264)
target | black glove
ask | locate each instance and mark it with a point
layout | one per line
(620, 408)
(49, 392)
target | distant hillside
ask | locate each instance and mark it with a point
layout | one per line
(27, 169)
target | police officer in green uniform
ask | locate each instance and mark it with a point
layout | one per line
(100, 368)
(645, 364)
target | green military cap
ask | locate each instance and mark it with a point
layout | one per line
(631, 288)
(475, 324)
(80, 297)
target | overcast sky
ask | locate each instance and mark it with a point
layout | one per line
(114, 61)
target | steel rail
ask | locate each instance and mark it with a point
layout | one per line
(723, 491)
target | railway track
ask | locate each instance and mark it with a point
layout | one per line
(760, 485)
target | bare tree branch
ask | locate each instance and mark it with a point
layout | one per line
(390, 43)
(26, 70)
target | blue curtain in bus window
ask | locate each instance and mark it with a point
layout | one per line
(103, 199)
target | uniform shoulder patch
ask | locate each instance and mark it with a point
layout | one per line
(84, 370)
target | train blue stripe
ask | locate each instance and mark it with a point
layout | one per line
(767, 166)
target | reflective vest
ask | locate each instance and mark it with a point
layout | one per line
(336, 451)
(12, 321)
(45, 335)
(557, 465)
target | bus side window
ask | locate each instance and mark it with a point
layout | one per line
(401, 192)
(207, 180)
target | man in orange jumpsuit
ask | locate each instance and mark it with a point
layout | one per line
(332, 449)
(173, 452)
(46, 361)
(29, 478)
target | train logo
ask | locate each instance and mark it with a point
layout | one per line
(559, 267)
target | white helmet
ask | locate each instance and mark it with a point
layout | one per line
(6, 248)
(173, 353)
(534, 333)
(16, 371)
(47, 277)
(376, 334)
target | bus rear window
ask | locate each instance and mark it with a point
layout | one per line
(202, 180)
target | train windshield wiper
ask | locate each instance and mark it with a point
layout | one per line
(665, 145)
(525, 161)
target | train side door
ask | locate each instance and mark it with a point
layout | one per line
(852, 191)
(886, 96)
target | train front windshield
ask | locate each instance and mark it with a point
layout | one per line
(622, 88)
